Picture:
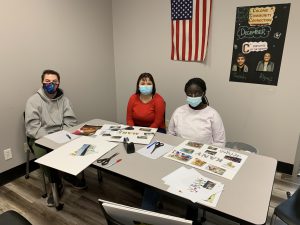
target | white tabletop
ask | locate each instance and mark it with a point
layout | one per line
(66, 158)
(246, 197)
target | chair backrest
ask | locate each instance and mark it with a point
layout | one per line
(241, 146)
(289, 210)
(117, 214)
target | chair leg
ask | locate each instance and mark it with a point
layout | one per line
(203, 218)
(273, 219)
(27, 163)
(82, 175)
(44, 195)
(100, 178)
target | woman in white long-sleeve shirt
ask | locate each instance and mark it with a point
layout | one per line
(196, 120)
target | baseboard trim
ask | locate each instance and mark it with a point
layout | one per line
(286, 168)
(16, 172)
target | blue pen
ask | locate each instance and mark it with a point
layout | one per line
(151, 144)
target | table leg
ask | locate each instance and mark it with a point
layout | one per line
(58, 205)
(99, 175)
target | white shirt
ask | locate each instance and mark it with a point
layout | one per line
(265, 66)
(204, 126)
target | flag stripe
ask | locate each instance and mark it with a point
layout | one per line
(183, 39)
(172, 31)
(208, 25)
(190, 39)
(203, 29)
(196, 30)
(177, 40)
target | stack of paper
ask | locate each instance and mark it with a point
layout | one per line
(190, 184)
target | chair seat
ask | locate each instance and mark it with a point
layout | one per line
(13, 218)
(289, 211)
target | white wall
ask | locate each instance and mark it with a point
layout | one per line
(73, 37)
(265, 116)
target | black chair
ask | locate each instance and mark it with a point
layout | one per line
(13, 218)
(289, 210)
(28, 152)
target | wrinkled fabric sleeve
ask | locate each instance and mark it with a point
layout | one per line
(129, 118)
(172, 125)
(218, 131)
(33, 124)
(159, 113)
(69, 115)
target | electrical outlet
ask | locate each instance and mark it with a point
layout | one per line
(7, 154)
(26, 147)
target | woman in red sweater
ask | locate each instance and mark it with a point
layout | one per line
(146, 108)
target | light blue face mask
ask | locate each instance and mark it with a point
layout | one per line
(146, 89)
(193, 101)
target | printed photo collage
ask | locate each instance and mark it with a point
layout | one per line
(212, 159)
(117, 133)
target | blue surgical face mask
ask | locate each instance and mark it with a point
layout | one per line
(146, 89)
(50, 88)
(194, 101)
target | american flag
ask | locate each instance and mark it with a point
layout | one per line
(189, 27)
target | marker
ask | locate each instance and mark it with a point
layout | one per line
(151, 144)
(85, 147)
(68, 136)
(119, 160)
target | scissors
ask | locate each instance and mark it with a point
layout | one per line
(157, 145)
(105, 161)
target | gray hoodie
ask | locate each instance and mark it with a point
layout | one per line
(44, 115)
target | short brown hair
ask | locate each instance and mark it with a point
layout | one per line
(50, 72)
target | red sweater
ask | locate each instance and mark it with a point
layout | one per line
(149, 114)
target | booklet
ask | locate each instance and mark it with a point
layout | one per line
(87, 130)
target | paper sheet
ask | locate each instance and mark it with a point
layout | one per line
(64, 159)
(61, 136)
(157, 153)
(190, 184)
